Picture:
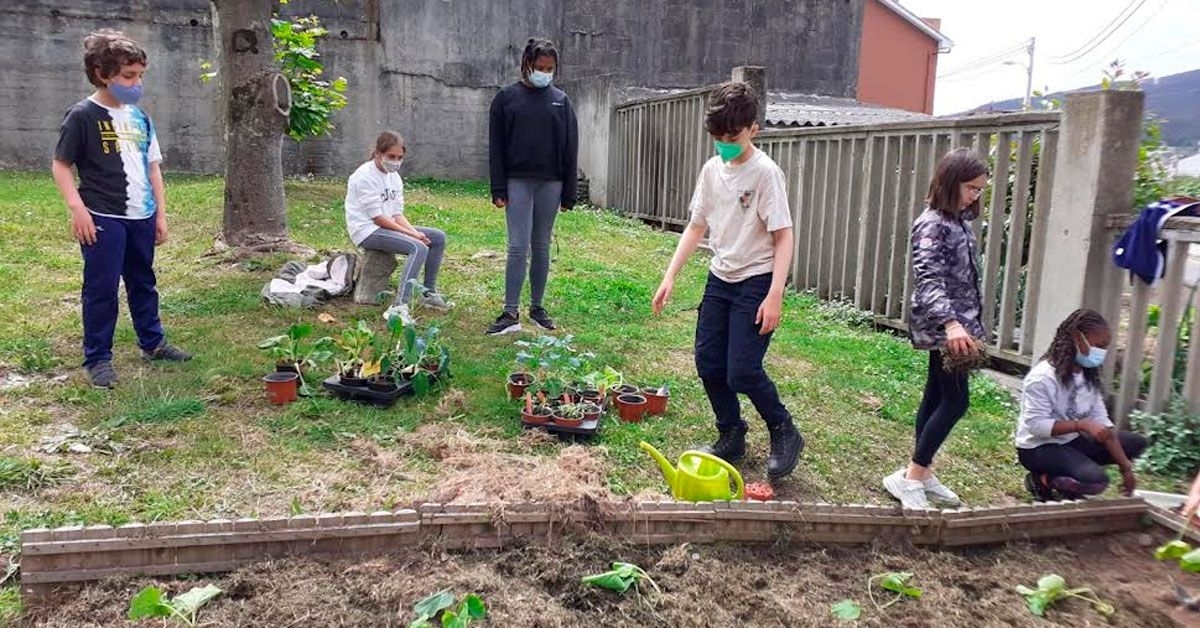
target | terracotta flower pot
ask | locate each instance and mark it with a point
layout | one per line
(567, 421)
(539, 416)
(656, 404)
(631, 408)
(592, 411)
(622, 389)
(282, 387)
(517, 383)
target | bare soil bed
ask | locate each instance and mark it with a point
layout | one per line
(702, 585)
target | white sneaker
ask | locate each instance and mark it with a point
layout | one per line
(911, 493)
(937, 491)
(400, 310)
(435, 301)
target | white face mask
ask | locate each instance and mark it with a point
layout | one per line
(391, 166)
(541, 80)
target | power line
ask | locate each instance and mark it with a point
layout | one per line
(1101, 31)
(986, 60)
(1139, 27)
(1095, 45)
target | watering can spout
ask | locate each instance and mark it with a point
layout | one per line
(668, 471)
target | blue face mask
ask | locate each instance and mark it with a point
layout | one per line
(125, 95)
(1092, 359)
(541, 80)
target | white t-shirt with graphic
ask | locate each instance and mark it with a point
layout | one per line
(370, 193)
(741, 205)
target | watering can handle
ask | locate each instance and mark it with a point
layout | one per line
(732, 470)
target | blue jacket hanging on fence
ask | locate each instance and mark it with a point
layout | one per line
(1140, 250)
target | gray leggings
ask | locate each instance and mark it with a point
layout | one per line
(530, 213)
(415, 252)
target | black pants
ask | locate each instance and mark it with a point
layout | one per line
(729, 352)
(945, 402)
(1078, 466)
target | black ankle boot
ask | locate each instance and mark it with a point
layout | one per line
(786, 445)
(731, 446)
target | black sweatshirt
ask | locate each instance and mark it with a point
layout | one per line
(533, 134)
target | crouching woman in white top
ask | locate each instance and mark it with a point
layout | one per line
(1064, 436)
(375, 220)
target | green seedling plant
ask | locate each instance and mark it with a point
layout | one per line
(604, 380)
(418, 354)
(846, 610)
(895, 581)
(291, 349)
(149, 603)
(1180, 550)
(437, 609)
(621, 577)
(355, 345)
(552, 361)
(1052, 587)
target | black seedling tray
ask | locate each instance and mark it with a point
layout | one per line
(585, 429)
(362, 394)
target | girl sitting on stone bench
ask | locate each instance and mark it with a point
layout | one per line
(375, 220)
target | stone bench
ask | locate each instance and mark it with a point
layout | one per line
(375, 270)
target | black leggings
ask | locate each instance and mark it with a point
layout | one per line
(1078, 466)
(945, 402)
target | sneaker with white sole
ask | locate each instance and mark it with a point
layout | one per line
(911, 493)
(506, 323)
(937, 491)
(400, 310)
(434, 301)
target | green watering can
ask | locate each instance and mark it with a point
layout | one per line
(701, 477)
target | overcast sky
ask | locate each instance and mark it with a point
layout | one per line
(1161, 37)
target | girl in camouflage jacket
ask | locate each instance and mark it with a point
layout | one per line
(943, 315)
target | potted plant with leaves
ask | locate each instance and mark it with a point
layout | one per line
(355, 350)
(535, 411)
(292, 354)
(552, 362)
(569, 414)
(602, 381)
(421, 357)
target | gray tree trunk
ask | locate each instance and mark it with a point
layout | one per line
(255, 214)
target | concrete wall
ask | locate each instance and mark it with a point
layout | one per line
(897, 63)
(426, 68)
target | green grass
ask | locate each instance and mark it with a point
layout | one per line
(204, 443)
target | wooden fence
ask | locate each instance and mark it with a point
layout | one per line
(855, 191)
(52, 558)
(1044, 237)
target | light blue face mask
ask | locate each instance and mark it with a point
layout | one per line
(1093, 358)
(541, 80)
(125, 95)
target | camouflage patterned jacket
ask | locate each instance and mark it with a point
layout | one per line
(945, 279)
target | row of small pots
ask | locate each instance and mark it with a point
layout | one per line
(542, 415)
(651, 401)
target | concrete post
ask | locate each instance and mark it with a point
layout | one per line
(756, 77)
(1093, 177)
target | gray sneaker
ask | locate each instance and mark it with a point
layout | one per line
(434, 301)
(102, 374)
(167, 352)
(911, 493)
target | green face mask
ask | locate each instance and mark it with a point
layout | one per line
(727, 150)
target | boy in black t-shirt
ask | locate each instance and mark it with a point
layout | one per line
(117, 213)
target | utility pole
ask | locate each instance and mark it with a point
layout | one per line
(1029, 75)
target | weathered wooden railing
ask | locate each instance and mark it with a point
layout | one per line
(855, 191)
(1045, 232)
(1177, 302)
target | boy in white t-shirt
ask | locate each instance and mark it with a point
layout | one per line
(375, 220)
(741, 201)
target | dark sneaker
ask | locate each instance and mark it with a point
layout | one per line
(786, 445)
(167, 352)
(102, 374)
(540, 318)
(1039, 488)
(730, 446)
(506, 323)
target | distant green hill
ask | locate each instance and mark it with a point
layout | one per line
(1175, 99)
